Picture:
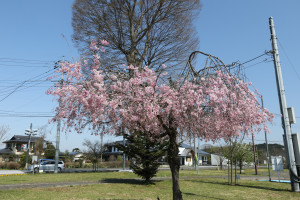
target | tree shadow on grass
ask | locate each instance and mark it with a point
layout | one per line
(128, 181)
(201, 196)
(244, 185)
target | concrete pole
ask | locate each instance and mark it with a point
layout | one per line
(58, 129)
(28, 146)
(283, 109)
(254, 153)
(195, 153)
(124, 153)
(267, 146)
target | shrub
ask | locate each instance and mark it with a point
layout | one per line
(2, 165)
(22, 161)
(12, 165)
(112, 158)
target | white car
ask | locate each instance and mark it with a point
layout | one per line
(47, 166)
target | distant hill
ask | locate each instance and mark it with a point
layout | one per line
(274, 150)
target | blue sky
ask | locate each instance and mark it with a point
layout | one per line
(233, 30)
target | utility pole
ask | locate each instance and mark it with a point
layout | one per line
(29, 132)
(283, 109)
(58, 129)
(124, 153)
(267, 146)
(255, 163)
(195, 152)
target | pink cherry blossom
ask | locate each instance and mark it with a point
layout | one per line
(216, 107)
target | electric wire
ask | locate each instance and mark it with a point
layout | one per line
(8, 90)
(19, 85)
(26, 60)
(289, 60)
(250, 60)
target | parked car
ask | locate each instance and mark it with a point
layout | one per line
(47, 166)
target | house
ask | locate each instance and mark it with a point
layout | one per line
(77, 156)
(218, 160)
(110, 151)
(18, 144)
(186, 155)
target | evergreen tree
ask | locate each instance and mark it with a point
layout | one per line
(144, 153)
(50, 151)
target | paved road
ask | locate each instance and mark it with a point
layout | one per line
(12, 172)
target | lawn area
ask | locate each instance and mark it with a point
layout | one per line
(95, 176)
(123, 185)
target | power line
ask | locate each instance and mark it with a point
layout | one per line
(19, 85)
(26, 60)
(264, 61)
(289, 60)
(8, 89)
(28, 116)
(266, 53)
(15, 65)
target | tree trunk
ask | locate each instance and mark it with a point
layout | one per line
(241, 166)
(231, 170)
(235, 172)
(174, 163)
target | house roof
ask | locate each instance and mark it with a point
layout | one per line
(21, 139)
(202, 152)
(114, 143)
(186, 146)
(5, 151)
(185, 152)
(74, 153)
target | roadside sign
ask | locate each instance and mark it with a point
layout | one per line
(34, 159)
(277, 163)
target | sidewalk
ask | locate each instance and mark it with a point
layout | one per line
(11, 172)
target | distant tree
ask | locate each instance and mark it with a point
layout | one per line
(144, 153)
(76, 150)
(22, 161)
(3, 133)
(243, 154)
(139, 32)
(10, 157)
(41, 143)
(93, 152)
(67, 157)
(50, 151)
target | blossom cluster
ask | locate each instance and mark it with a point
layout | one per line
(217, 106)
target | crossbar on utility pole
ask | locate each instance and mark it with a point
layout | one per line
(283, 109)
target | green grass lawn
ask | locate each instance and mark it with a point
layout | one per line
(122, 185)
(94, 176)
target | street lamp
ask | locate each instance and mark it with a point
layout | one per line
(29, 132)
